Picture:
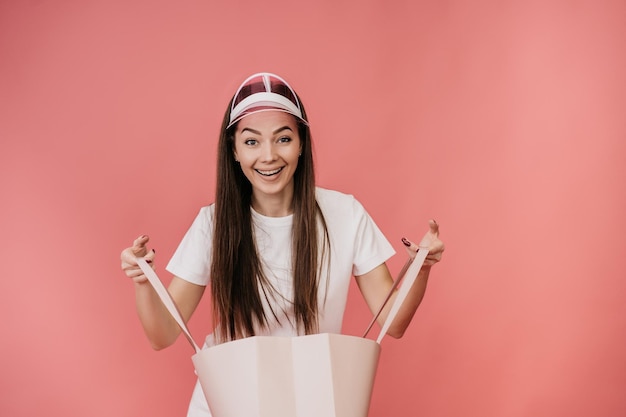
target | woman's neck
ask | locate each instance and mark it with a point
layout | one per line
(273, 206)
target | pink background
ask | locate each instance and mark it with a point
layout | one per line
(504, 121)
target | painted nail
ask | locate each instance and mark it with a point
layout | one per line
(406, 242)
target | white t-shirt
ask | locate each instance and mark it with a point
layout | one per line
(357, 246)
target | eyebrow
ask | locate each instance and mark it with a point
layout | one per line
(256, 132)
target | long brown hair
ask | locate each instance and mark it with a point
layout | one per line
(237, 278)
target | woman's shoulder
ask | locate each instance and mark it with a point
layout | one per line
(207, 211)
(204, 217)
(333, 201)
(326, 195)
(210, 209)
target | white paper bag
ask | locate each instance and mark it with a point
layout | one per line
(321, 375)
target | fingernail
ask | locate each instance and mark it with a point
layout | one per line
(148, 261)
(406, 242)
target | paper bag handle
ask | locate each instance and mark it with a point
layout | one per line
(167, 299)
(410, 272)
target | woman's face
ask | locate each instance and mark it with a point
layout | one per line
(267, 146)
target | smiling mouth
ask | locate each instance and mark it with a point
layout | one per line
(269, 173)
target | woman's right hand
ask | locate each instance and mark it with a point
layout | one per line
(129, 259)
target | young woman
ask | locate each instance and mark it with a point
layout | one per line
(278, 251)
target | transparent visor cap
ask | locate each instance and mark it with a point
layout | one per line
(262, 92)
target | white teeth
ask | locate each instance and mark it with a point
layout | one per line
(268, 173)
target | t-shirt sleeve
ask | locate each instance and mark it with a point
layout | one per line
(371, 247)
(192, 259)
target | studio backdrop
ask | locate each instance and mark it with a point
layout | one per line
(512, 111)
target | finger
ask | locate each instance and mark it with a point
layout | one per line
(133, 272)
(412, 248)
(410, 245)
(140, 280)
(434, 227)
(129, 260)
(131, 264)
(139, 245)
(435, 254)
(138, 276)
(437, 246)
(150, 256)
(434, 257)
(429, 262)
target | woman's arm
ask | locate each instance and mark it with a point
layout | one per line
(376, 284)
(158, 324)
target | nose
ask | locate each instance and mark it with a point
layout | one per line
(268, 153)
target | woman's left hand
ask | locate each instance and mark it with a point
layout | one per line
(431, 242)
